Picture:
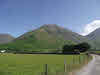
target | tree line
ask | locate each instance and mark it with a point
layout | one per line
(78, 48)
(66, 49)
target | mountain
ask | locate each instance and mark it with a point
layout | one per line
(5, 38)
(53, 30)
(48, 37)
(95, 38)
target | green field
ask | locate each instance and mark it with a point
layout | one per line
(96, 51)
(26, 64)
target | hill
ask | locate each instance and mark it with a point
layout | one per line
(5, 38)
(95, 38)
(48, 37)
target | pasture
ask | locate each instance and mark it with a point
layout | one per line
(27, 64)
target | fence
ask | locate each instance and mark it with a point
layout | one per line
(68, 69)
(67, 66)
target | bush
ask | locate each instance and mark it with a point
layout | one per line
(82, 47)
(68, 49)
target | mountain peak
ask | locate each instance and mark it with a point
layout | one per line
(54, 28)
(50, 25)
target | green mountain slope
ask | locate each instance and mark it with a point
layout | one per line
(46, 38)
(94, 37)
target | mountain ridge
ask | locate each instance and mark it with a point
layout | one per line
(5, 38)
(95, 38)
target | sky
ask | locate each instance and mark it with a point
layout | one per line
(20, 16)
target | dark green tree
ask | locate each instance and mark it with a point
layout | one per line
(68, 48)
(82, 47)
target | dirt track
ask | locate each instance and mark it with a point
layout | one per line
(92, 68)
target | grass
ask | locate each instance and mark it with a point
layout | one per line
(96, 51)
(26, 64)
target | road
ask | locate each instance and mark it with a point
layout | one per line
(92, 68)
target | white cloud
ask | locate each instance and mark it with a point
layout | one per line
(91, 27)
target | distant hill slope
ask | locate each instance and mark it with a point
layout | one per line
(95, 38)
(5, 38)
(50, 36)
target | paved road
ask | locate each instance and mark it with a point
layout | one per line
(93, 68)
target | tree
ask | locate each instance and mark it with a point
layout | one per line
(68, 48)
(82, 47)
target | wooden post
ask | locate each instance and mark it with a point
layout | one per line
(65, 67)
(73, 59)
(46, 69)
(79, 59)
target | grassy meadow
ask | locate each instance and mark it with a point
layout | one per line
(27, 64)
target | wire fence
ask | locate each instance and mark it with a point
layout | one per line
(68, 68)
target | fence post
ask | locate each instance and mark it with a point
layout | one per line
(65, 67)
(73, 59)
(46, 69)
(79, 59)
